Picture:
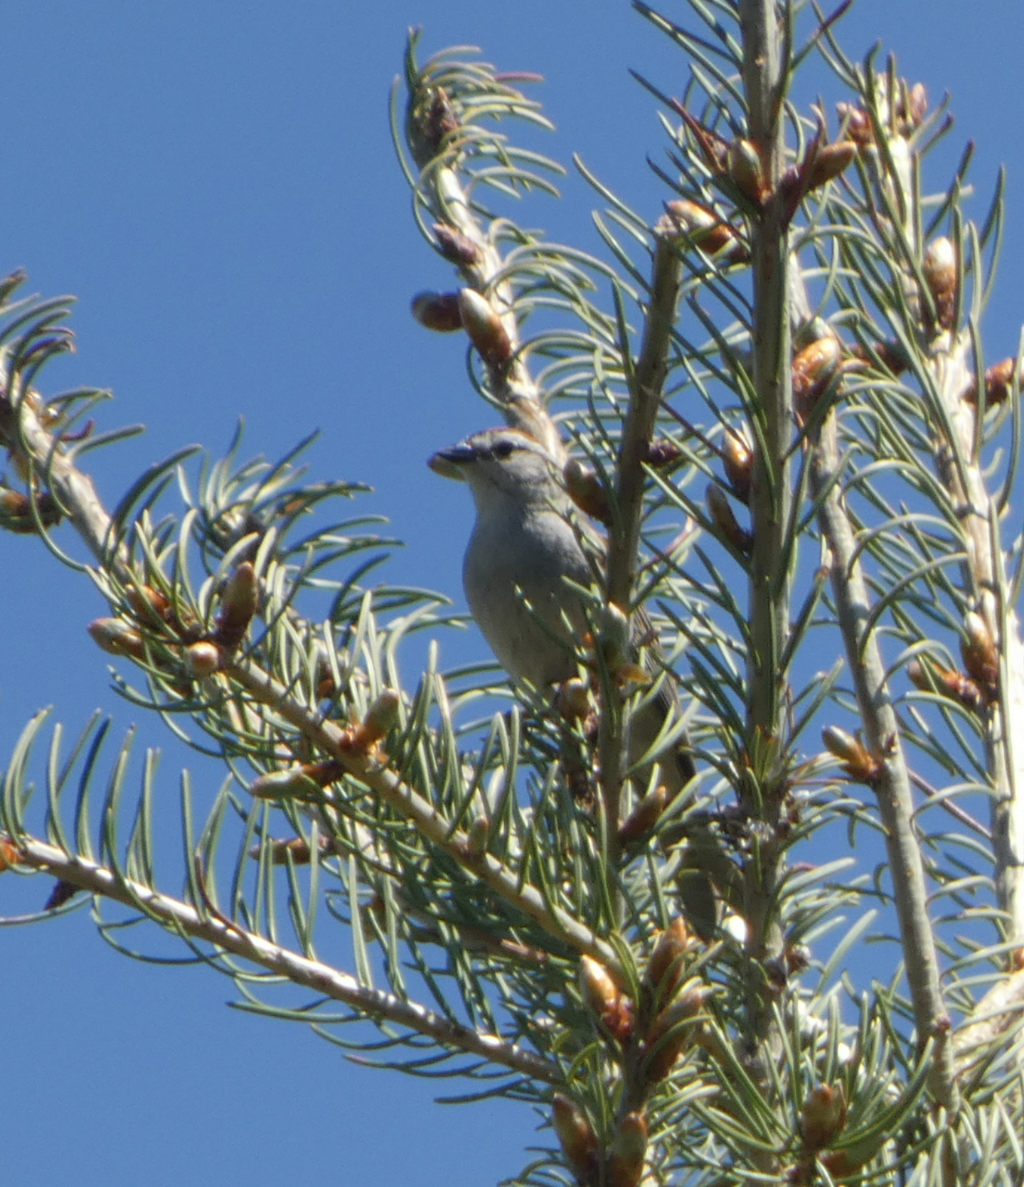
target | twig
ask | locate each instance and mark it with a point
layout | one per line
(229, 937)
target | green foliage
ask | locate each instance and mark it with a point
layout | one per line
(778, 405)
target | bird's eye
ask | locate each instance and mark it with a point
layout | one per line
(502, 449)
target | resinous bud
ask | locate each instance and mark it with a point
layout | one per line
(203, 658)
(438, 311)
(237, 606)
(485, 328)
(586, 491)
(575, 1135)
(823, 1115)
(117, 637)
(627, 1152)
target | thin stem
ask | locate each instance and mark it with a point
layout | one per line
(882, 738)
(226, 935)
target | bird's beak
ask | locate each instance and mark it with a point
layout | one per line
(450, 462)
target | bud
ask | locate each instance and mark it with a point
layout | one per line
(662, 452)
(813, 369)
(598, 989)
(828, 162)
(823, 1115)
(912, 107)
(932, 677)
(857, 762)
(980, 654)
(671, 1031)
(747, 170)
(576, 1137)
(626, 1155)
(615, 638)
(380, 718)
(477, 836)
(148, 604)
(278, 785)
(237, 606)
(203, 658)
(702, 227)
(602, 997)
(117, 637)
(722, 516)
(738, 463)
(9, 855)
(586, 491)
(890, 355)
(485, 328)
(573, 700)
(940, 273)
(638, 825)
(456, 247)
(665, 969)
(296, 850)
(856, 123)
(998, 384)
(433, 118)
(437, 311)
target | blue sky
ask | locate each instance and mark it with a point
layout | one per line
(214, 181)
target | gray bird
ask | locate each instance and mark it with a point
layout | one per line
(523, 557)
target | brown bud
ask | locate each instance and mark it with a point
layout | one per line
(639, 823)
(295, 849)
(823, 1115)
(573, 700)
(477, 836)
(813, 368)
(856, 124)
(724, 519)
(747, 170)
(913, 106)
(300, 782)
(9, 855)
(598, 989)
(237, 606)
(485, 328)
(615, 639)
(662, 452)
(665, 969)
(828, 162)
(117, 637)
(456, 247)
(932, 677)
(702, 227)
(998, 384)
(627, 1152)
(586, 491)
(857, 761)
(890, 355)
(738, 463)
(438, 311)
(980, 654)
(380, 718)
(940, 273)
(437, 118)
(576, 1137)
(672, 1031)
(604, 999)
(149, 604)
(203, 658)
(16, 511)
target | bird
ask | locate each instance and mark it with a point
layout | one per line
(524, 573)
